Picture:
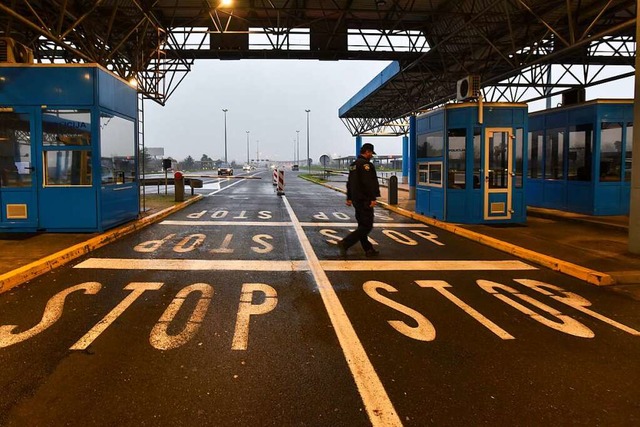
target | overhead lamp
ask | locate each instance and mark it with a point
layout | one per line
(226, 3)
(133, 82)
(381, 3)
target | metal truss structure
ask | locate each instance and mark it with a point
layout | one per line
(511, 44)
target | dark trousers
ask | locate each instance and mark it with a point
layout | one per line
(364, 216)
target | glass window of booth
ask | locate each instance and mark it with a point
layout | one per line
(457, 139)
(430, 173)
(15, 150)
(536, 140)
(554, 154)
(580, 155)
(611, 152)
(518, 166)
(628, 149)
(66, 140)
(477, 158)
(117, 147)
(430, 144)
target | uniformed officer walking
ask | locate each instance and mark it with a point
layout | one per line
(362, 191)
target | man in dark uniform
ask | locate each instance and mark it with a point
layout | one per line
(362, 191)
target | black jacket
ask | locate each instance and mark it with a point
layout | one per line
(363, 181)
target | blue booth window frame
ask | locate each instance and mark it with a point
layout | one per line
(594, 197)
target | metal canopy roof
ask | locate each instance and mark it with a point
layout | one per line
(435, 42)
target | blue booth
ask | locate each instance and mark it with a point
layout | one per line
(470, 163)
(68, 158)
(580, 157)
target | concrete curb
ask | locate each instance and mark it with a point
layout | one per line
(31, 271)
(586, 274)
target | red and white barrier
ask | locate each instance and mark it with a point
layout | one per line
(280, 187)
(275, 176)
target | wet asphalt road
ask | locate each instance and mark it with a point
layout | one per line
(238, 311)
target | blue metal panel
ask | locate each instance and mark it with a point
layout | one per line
(370, 88)
(118, 204)
(430, 202)
(579, 197)
(554, 194)
(46, 85)
(405, 157)
(535, 192)
(68, 209)
(116, 95)
(457, 206)
(607, 200)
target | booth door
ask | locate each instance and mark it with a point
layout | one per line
(18, 198)
(498, 173)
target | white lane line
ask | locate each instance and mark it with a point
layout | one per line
(287, 224)
(222, 189)
(191, 264)
(234, 223)
(376, 401)
(355, 224)
(380, 265)
(249, 265)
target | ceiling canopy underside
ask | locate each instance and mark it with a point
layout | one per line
(435, 42)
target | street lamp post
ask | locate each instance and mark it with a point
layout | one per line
(247, 147)
(308, 161)
(298, 149)
(225, 134)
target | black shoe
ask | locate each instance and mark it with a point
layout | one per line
(342, 248)
(371, 252)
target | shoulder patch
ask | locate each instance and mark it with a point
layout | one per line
(367, 167)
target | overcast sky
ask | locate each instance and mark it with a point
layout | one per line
(269, 99)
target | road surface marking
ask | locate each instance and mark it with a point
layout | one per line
(52, 313)
(286, 224)
(440, 285)
(224, 188)
(355, 225)
(247, 308)
(191, 264)
(448, 265)
(235, 223)
(160, 338)
(248, 265)
(376, 401)
(138, 289)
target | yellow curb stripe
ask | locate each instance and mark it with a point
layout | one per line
(30, 271)
(583, 273)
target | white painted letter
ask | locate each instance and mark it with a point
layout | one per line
(258, 238)
(246, 309)
(575, 301)
(184, 246)
(196, 215)
(341, 215)
(428, 236)
(332, 235)
(219, 214)
(159, 337)
(440, 285)
(321, 216)
(566, 324)
(243, 215)
(399, 237)
(52, 312)
(224, 247)
(152, 245)
(424, 331)
(265, 215)
(138, 289)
